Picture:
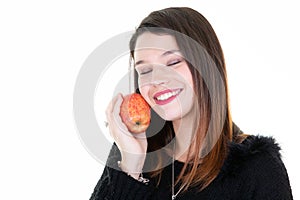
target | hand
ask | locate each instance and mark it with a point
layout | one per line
(133, 147)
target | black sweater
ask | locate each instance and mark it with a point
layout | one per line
(253, 170)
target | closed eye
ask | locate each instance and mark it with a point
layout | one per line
(174, 62)
(145, 72)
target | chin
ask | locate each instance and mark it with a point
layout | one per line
(170, 116)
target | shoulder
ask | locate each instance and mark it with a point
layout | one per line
(252, 152)
(255, 145)
(256, 164)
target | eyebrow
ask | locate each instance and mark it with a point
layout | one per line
(164, 54)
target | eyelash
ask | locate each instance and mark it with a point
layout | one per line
(146, 72)
(175, 62)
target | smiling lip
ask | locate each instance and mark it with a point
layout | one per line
(166, 96)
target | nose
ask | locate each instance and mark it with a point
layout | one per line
(159, 75)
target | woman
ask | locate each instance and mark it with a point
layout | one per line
(198, 152)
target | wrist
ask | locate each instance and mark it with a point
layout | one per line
(134, 172)
(133, 163)
(136, 175)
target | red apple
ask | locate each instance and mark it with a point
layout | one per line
(135, 113)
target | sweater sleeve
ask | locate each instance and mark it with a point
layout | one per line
(115, 184)
(271, 179)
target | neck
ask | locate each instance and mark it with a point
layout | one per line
(185, 129)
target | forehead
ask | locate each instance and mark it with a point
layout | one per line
(159, 42)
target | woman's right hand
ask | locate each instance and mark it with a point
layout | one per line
(133, 147)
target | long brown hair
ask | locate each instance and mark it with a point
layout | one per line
(192, 24)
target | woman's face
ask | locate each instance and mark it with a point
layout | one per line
(165, 80)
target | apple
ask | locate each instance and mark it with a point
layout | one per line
(135, 113)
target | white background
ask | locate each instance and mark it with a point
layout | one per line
(44, 43)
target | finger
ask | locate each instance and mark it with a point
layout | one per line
(116, 115)
(110, 108)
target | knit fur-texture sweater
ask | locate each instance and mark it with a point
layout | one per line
(253, 170)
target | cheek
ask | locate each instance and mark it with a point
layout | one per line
(190, 80)
(144, 92)
(185, 73)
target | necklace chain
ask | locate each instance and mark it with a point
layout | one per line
(173, 175)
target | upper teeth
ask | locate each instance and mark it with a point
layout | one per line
(167, 95)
